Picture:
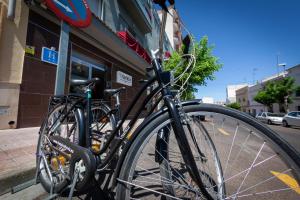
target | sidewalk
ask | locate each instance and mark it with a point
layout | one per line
(17, 156)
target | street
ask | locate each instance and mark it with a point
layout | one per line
(245, 152)
(290, 134)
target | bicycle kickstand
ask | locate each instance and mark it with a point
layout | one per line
(73, 183)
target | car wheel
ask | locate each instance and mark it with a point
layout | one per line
(285, 124)
(269, 122)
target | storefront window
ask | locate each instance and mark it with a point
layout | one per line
(83, 68)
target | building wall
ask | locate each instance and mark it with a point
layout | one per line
(38, 79)
(294, 72)
(230, 92)
(12, 48)
(26, 83)
(242, 98)
(254, 106)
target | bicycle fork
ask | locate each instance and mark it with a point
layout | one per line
(184, 146)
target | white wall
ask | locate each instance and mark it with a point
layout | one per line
(230, 92)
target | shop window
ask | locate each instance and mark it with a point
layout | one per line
(83, 68)
(96, 7)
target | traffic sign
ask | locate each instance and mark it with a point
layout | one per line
(74, 12)
(49, 56)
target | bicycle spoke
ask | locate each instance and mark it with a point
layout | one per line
(233, 140)
(132, 184)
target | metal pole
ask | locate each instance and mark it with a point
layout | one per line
(62, 59)
(277, 64)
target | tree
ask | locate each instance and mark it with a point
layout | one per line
(235, 105)
(205, 66)
(265, 98)
(278, 91)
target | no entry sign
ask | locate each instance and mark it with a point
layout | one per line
(74, 12)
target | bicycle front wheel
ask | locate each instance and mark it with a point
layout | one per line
(237, 158)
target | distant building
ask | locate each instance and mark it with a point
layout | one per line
(242, 98)
(230, 92)
(256, 107)
(294, 72)
(245, 95)
(208, 100)
(221, 103)
(173, 28)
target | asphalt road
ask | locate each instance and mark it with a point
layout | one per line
(238, 153)
(290, 134)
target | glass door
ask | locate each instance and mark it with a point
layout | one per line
(84, 68)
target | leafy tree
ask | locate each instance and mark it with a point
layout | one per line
(265, 98)
(278, 91)
(205, 66)
(235, 105)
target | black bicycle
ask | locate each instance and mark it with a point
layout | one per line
(172, 154)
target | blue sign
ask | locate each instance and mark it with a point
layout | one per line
(49, 56)
(74, 12)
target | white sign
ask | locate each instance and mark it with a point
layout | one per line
(124, 79)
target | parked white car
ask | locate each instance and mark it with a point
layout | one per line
(291, 119)
(270, 118)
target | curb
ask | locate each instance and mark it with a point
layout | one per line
(6, 183)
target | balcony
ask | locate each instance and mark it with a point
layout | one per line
(134, 45)
(139, 13)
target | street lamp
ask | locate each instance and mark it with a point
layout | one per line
(282, 65)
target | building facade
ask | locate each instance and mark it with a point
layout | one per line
(173, 29)
(294, 72)
(100, 50)
(230, 92)
(242, 98)
(245, 96)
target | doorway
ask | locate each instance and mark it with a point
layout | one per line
(85, 68)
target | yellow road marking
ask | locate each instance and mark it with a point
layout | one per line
(223, 131)
(288, 180)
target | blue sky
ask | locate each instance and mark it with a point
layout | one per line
(247, 34)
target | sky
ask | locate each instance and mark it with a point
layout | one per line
(247, 35)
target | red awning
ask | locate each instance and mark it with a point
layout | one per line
(167, 54)
(134, 45)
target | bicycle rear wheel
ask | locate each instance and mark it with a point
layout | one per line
(52, 166)
(237, 157)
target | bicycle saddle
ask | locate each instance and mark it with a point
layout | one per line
(114, 91)
(76, 82)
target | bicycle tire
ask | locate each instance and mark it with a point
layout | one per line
(101, 112)
(43, 176)
(277, 155)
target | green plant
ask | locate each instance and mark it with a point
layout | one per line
(235, 105)
(205, 66)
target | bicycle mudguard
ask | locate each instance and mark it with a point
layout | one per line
(138, 130)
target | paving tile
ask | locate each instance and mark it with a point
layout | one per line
(3, 156)
(7, 164)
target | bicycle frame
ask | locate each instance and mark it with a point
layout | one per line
(163, 89)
